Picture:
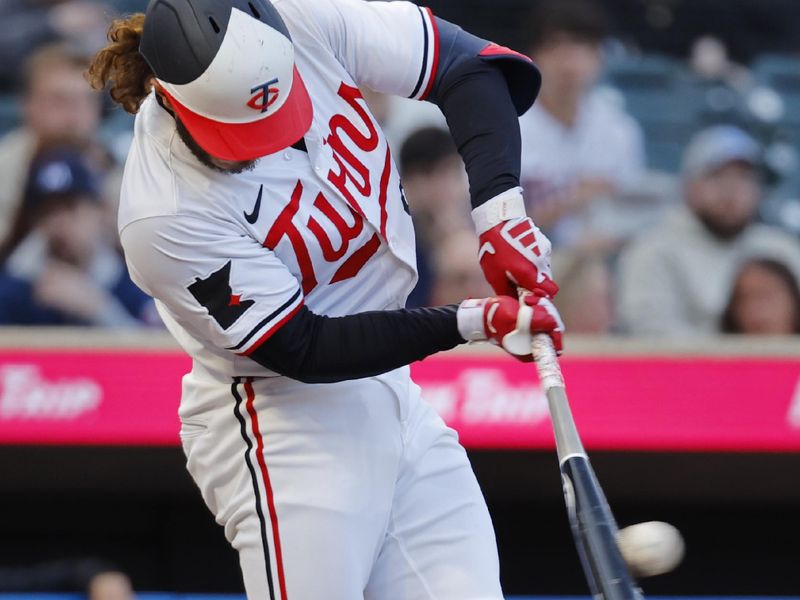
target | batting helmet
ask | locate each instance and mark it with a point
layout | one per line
(228, 70)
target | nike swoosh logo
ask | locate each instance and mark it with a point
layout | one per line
(253, 216)
(487, 248)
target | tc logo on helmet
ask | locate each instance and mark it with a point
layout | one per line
(265, 96)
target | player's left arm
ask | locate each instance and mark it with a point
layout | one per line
(402, 49)
(482, 89)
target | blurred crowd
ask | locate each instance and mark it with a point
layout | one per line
(59, 253)
(669, 187)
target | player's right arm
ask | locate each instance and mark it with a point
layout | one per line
(227, 290)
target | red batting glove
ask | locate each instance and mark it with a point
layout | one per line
(510, 323)
(513, 252)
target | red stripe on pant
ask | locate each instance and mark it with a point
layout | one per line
(273, 516)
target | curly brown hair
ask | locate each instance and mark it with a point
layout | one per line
(120, 67)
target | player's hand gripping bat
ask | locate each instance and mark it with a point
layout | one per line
(593, 525)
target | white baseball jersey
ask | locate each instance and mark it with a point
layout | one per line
(346, 491)
(229, 258)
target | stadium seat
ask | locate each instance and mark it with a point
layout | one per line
(9, 112)
(658, 95)
(671, 104)
(782, 74)
(646, 83)
(780, 71)
(663, 155)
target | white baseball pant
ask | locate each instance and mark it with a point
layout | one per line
(353, 490)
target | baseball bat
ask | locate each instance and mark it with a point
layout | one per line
(593, 525)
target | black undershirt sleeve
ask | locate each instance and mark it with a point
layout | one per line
(477, 104)
(317, 349)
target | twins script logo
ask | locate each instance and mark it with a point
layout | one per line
(27, 395)
(265, 96)
(353, 181)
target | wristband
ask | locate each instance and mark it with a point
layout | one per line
(470, 320)
(503, 207)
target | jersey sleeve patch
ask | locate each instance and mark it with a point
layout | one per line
(215, 294)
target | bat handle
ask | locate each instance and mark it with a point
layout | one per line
(568, 442)
(547, 362)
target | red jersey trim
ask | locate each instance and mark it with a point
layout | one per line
(435, 62)
(496, 50)
(271, 330)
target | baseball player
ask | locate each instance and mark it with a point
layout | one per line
(262, 209)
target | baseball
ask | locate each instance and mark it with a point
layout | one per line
(651, 548)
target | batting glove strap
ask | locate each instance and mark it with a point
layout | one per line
(503, 207)
(470, 320)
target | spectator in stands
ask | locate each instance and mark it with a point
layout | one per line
(457, 273)
(63, 271)
(58, 106)
(110, 585)
(435, 186)
(584, 298)
(98, 579)
(28, 24)
(765, 300)
(676, 280)
(576, 146)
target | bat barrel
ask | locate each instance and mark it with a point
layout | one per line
(595, 532)
(593, 524)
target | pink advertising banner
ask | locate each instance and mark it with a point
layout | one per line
(130, 397)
